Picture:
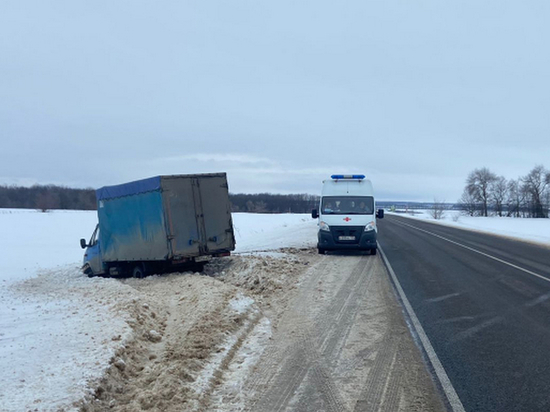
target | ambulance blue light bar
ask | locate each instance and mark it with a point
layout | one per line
(339, 177)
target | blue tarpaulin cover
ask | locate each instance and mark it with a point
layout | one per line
(127, 189)
(132, 227)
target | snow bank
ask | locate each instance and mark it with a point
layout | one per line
(260, 232)
(58, 331)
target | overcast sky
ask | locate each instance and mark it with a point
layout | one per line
(278, 94)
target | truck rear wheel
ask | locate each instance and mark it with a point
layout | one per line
(198, 266)
(321, 251)
(138, 272)
(373, 251)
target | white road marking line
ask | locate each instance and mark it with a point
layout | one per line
(468, 333)
(444, 297)
(450, 393)
(539, 300)
(457, 319)
(477, 251)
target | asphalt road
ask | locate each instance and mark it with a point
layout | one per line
(484, 303)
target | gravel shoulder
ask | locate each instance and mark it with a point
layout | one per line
(342, 345)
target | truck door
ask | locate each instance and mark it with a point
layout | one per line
(183, 231)
(197, 198)
(198, 215)
(217, 227)
(92, 255)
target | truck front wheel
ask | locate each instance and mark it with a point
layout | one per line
(138, 272)
(88, 271)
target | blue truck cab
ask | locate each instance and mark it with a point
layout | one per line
(92, 257)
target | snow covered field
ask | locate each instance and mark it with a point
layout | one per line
(58, 328)
(262, 232)
(529, 229)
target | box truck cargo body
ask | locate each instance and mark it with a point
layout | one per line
(347, 214)
(160, 223)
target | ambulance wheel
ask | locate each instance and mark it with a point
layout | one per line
(138, 272)
(373, 251)
(321, 251)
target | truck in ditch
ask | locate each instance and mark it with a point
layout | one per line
(160, 224)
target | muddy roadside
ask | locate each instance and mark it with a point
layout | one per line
(340, 344)
(188, 327)
(284, 330)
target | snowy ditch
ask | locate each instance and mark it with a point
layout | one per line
(70, 343)
(212, 329)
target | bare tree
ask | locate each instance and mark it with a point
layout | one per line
(468, 203)
(478, 185)
(46, 201)
(514, 199)
(498, 192)
(537, 184)
(438, 209)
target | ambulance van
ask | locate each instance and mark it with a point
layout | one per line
(347, 214)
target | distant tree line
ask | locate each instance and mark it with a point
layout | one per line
(486, 193)
(48, 197)
(273, 203)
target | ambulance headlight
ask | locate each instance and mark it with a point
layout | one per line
(324, 226)
(370, 226)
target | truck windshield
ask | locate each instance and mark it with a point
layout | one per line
(95, 236)
(347, 205)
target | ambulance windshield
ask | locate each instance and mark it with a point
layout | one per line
(347, 205)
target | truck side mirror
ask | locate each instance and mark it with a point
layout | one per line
(83, 243)
(314, 213)
(380, 214)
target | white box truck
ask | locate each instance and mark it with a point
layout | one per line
(347, 214)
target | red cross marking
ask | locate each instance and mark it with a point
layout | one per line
(347, 219)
